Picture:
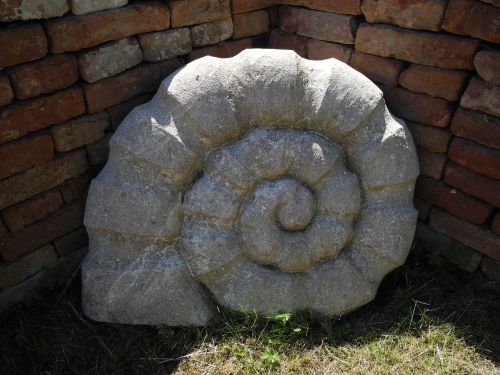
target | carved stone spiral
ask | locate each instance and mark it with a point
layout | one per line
(277, 183)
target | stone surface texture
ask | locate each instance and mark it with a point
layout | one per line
(273, 182)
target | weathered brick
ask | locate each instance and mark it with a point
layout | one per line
(495, 224)
(211, 32)
(109, 59)
(15, 10)
(429, 138)
(41, 178)
(81, 7)
(452, 200)
(35, 114)
(118, 112)
(76, 32)
(478, 158)
(281, 40)
(49, 74)
(27, 266)
(487, 65)
(167, 44)
(192, 12)
(477, 126)
(80, 131)
(417, 107)
(226, 49)
(139, 80)
(473, 183)
(6, 94)
(76, 188)
(422, 207)
(251, 23)
(443, 83)
(98, 151)
(491, 268)
(242, 6)
(431, 164)
(419, 47)
(378, 69)
(492, 2)
(411, 14)
(337, 6)
(3, 230)
(22, 44)
(319, 50)
(474, 18)
(20, 215)
(474, 236)
(482, 96)
(46, 230)
(330, 27)
(71, 241)
(25, 153)
(462, 256)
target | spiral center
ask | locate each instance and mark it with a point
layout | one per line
(296, 204)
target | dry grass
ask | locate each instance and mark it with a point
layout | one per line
(425, 320)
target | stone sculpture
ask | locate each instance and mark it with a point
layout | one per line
(261, 182)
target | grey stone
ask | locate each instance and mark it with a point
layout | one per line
(32, 9)
(109, 59)
(164, 45)
(277, 183)
(212, 32)
(81, 7)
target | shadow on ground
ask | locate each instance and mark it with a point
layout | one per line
(52, 336)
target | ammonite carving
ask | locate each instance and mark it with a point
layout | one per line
(262, 182)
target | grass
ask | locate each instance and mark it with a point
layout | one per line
(425, 319)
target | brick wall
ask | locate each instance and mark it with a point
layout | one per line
(72, 69)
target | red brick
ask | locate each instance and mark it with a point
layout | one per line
(22, 44)
(378, 69)
(474, 18)
(80, 131)
(72, 241)
(452, 200)
(41, 178)
(482, 96)
(73, 33)
(25, 153)
(429, 138)
(444, 83)
(495, 224)
(487, 65)
(473, 183)
(226, 49)
(56, 225)
(478, 158)
(337, 6)
(52, 73)
(431, 164)
(491, 268)
(474, 236)
(6, 94)
(319, 50)
(410, 14)
(281, 40)
(34, 209)
(419, 47)
(477, 126)
(192, 12)
(35, 114)
(118, 112)
(242, 6)
(251, 23)
(76, 188)
(139, 80)
(330, 27)
(417, 107)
